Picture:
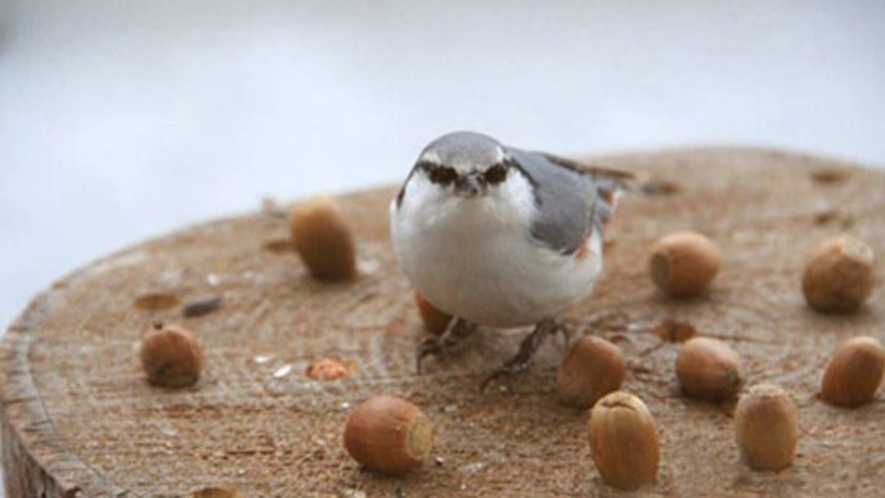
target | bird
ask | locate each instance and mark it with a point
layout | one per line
(500, 237)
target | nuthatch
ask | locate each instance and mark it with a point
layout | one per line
(500, 237)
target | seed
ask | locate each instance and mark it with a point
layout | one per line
(683, 264)
(388, 435)
(330, 369)
(217, 493)
(839, 276)
(765, 428)
(201, 307)
(323, 239)
(854, 373)
(171, 357)
(592, 368)
(708, 369)
(623, 441)
(435, 321)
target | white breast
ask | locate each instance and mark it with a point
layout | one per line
(474, 258)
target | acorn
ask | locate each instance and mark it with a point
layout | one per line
(708, 369)
(839, 276)
(623, 441)
(324, 240)
(435, 320)
(683, 264)
(854, 373)
(765, 428)
(592, 368)
(171, 356)
(388, 435)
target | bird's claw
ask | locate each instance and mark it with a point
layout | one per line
(523, 359)
(506, 372)
(453, 337)
(432, 346)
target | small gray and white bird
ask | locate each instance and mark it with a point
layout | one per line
(500, 237)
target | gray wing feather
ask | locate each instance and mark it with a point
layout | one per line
(572, 199)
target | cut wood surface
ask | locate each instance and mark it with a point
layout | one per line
(79, 419)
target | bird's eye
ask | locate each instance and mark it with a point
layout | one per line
(443, 175)
(496, 174)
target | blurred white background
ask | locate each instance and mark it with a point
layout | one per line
(121, 120)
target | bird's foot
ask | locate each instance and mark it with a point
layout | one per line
(527, 349)
(450, 340)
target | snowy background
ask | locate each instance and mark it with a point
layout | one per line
(123, 119)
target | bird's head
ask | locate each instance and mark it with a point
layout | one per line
(465, 164)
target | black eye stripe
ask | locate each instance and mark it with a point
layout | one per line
(438, 174)
(495, 174)
(445, 175)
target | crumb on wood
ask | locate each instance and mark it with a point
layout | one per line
(331, 369)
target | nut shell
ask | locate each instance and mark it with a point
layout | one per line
(765, 428)
(839, 276)
(388, 435)
(683, 264)
(331, 369)
(592, 368)
(222, 492)
(171, 357)
(623, 441)
(854, 373)
(323, 239)
(708, 369)
(435, 320)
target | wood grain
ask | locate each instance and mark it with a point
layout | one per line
(79, 420)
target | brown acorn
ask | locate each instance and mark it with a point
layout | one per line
(839, 276)
(435, 320)
(854, 373)
(388, 435)
(592, 368)
(765, 428)
(171, 356)
(623, 441)
(708, 369)
(683, 264)
(323, 239)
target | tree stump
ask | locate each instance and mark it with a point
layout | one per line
(79, 419)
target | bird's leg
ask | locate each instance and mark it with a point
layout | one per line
(527, 349)
(450, 340)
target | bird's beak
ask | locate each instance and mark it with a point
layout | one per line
(469, 185)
